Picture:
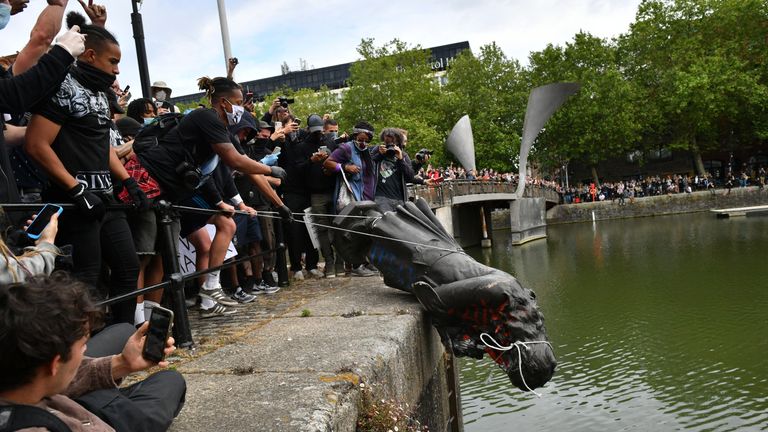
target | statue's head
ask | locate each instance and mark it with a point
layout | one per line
(515, 336)
(528, 361)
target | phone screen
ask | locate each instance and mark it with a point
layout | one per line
(157, 334)
(41, 221)
(278, 125)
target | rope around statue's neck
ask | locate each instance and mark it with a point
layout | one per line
(496, 346)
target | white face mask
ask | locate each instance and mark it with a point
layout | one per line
(234, 117)
(161, 95)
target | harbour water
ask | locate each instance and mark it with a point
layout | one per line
(658, 324)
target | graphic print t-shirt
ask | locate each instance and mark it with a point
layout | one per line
(83, 143)
(390, 183)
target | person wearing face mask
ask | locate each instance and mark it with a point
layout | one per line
(257, 143)
(162, 93)
(69, 137)
(186, 157)
(142, 110)
(354, 159)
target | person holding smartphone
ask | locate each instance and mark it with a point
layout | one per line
(44, 326)
(35, 261)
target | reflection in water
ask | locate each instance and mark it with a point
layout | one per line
(658, 323)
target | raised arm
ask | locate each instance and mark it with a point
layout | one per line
(22, 92)
(46, 28)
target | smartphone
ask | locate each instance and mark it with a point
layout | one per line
(35, 229)
(297, 121)
(128, 87)
(324, 149)
(160, 322)
(248, 98)
(278, 125)
(277, 150)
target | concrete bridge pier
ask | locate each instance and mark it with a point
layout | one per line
(465, 223)
(527, 219)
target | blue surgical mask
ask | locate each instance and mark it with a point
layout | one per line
(148, 120)
(5, 15)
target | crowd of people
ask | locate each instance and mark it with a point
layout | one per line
(72, 135)
(656, 186)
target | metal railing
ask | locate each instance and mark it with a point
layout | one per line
(443, 193)
(172, 276)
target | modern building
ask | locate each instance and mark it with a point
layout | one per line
(332, 77)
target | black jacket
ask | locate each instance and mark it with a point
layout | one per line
(19, 94)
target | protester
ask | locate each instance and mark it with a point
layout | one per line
(44, 328)
(255, 139)
(184, 160)
(354, 159)
(393, 170)
(69, 137)
(34, 85)
(35, 261)
(320, 183)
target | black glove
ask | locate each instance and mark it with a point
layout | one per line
(87, 202)
(137, 195)
(278, 173)
(285, 213)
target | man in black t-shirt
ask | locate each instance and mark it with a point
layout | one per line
(69, 137)
(184, 159)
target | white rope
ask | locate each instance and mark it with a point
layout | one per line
(370, 235)
(496, 346)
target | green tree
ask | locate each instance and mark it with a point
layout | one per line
(306, 102)
(393, 86)
(701, 66)
(600, 121)
(492, 90)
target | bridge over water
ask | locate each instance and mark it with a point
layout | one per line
(464, 208)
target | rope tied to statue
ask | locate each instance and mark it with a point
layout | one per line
(496, 346)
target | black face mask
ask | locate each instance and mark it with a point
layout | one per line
(93, 78)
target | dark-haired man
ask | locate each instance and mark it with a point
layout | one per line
(44, 328)
(70, 138)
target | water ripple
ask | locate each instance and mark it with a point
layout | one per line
(654, 329)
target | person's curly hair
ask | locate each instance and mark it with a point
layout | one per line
(40, 319)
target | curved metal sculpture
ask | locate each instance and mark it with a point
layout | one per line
(542, 103)
(465, 299)
(461, 143)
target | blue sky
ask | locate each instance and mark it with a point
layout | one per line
(183, 38)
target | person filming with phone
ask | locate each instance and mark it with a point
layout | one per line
(50, 380)
(38, 260)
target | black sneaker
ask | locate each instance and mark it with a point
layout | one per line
(263, 288)
(242, 297)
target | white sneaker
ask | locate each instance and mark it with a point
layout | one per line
(298, 275)
(218, 296)
(216, 310)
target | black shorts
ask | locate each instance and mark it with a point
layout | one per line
(248, 230)
(191, 222)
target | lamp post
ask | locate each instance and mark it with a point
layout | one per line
(224, 33)
(141, 51)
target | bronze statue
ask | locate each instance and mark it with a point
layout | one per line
(464, 298)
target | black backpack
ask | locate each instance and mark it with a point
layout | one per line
(150, 134)
(15, 417)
